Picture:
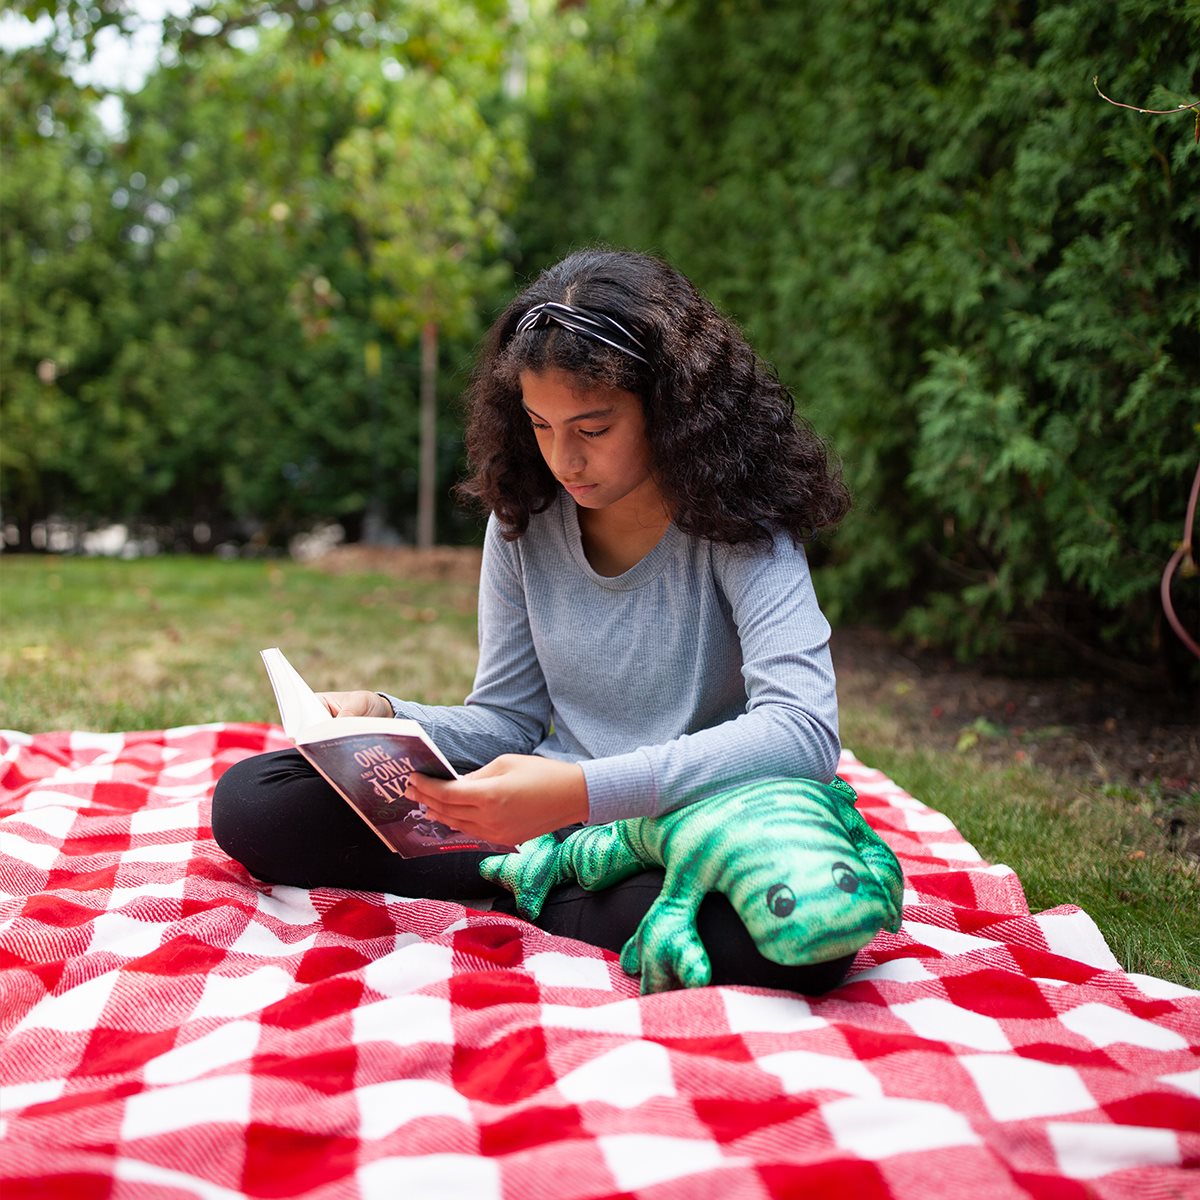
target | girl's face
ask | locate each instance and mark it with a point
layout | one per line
(593, 439)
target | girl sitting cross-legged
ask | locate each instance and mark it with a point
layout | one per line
(648, 630)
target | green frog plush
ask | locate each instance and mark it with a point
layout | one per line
(810, 879)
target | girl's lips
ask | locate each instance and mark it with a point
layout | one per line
(579, 489)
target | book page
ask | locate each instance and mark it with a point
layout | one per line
(298, 703)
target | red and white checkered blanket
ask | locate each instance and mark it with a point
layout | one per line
(172, 1028)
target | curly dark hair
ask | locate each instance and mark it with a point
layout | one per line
(728, 454)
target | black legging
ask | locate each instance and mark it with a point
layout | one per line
(277, 817)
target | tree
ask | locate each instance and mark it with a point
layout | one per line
(428, 183)
(200, 330)
(63, 295)
(73, 27)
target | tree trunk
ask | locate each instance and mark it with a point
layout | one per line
(426, 479)
(24, 523)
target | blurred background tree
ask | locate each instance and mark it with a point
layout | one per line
(259, 268)
(980, 280)
(63, 290)
(427, 183)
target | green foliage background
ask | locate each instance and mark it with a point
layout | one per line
(203, 288)
(981, 281)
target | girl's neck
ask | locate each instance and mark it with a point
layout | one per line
(617, 538)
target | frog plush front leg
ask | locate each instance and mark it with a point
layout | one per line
(530, 873)
(666, 949)
(601, 855)
(597, 857)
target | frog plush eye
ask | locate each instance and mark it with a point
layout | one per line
(781, 900)
(844, 877)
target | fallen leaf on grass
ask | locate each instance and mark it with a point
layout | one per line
(422, 616)
(981, 727)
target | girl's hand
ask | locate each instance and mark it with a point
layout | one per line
(355, 704)
(514, 798)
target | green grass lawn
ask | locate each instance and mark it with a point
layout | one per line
(109, 645)
(104, 644)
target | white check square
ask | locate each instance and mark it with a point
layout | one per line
(221, 1100)
(1020, 1089)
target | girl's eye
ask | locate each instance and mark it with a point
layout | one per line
(538, 427)
(592, 433)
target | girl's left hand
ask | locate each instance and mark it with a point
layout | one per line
(514, 798)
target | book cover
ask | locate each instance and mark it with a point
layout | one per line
(368, 761)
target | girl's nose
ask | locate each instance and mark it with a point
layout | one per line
(566, 460)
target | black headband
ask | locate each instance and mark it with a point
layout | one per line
(595, 325)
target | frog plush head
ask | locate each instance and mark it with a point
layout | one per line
(822, 885)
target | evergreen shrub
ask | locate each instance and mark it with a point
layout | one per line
(979, 278)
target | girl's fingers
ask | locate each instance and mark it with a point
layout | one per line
(438, 795)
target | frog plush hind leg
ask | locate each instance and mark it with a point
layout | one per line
(595, 857)
(810, 880)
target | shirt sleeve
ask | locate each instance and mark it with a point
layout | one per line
(508, 709)
(790, 725)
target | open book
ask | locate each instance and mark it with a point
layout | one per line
(368, 761)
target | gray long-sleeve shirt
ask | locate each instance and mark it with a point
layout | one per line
(702, 667)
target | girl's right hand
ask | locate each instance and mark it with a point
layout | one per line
(355, 704)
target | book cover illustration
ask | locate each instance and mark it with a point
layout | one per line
(368, 761)
(371, 771)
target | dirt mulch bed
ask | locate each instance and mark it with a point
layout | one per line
(1086, 731)
(442, 564)
(1085, 727)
